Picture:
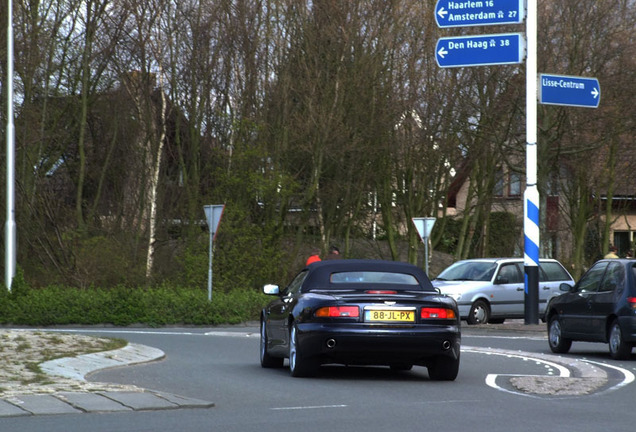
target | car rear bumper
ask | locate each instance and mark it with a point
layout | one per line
(380, 345)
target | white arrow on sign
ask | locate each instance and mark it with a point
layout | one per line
(442, 13)
(442, 52)
(595, 93)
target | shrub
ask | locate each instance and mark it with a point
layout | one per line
(163, 305)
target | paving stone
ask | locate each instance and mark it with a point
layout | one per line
(44, 404)
(92, 402)
(140, 400)
(185, 402)
(9, 410)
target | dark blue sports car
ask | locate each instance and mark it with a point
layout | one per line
(361, 312)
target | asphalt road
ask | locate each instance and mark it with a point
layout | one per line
(221, 365)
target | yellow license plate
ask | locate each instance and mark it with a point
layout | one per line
(387, 315)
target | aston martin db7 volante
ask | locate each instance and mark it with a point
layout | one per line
(361, 312)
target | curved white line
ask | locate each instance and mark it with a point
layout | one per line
(629, 377)
(563, 371)
(491, 379)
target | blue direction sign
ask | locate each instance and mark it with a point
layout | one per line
(453, 13)
(569, 91)
(483, 50)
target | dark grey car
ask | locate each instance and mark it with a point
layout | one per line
(601, 307)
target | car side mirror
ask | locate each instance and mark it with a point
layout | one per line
(502, 280)
(271, 289)
(565, 287)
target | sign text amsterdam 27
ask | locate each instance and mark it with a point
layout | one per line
(450, 13)
(484, 50)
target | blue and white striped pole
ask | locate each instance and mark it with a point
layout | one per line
(10, 225)
(531, 194)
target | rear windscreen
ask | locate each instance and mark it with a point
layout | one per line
(367, 277)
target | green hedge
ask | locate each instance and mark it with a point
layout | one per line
(122, 306)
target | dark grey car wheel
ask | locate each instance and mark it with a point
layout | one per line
(618, 348)
(479, 313)
(558, 344)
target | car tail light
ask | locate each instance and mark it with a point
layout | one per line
(381, 292)
(338, 312)
(632, 302)
(437, 313)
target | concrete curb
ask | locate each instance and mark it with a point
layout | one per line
(78, 368)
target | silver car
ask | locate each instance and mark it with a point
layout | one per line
(489, 290)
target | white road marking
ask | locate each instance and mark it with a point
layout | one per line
(629, 377)
(561, 364)
(232, 334)
(308, 407)
(563, 371)
(241, 334)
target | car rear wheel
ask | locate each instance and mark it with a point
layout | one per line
(618, 348)
(267, 361)
(444, 368)
(558, 344)
(479, 313)
(299, 365)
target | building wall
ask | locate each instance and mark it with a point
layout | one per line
(623, 233)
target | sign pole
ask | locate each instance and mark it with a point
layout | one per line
(213, 215)
(531, 194)
(210, 271)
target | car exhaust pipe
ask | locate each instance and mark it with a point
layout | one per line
(331, 343)
(446, 344)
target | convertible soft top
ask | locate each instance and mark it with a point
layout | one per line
(320, 272)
